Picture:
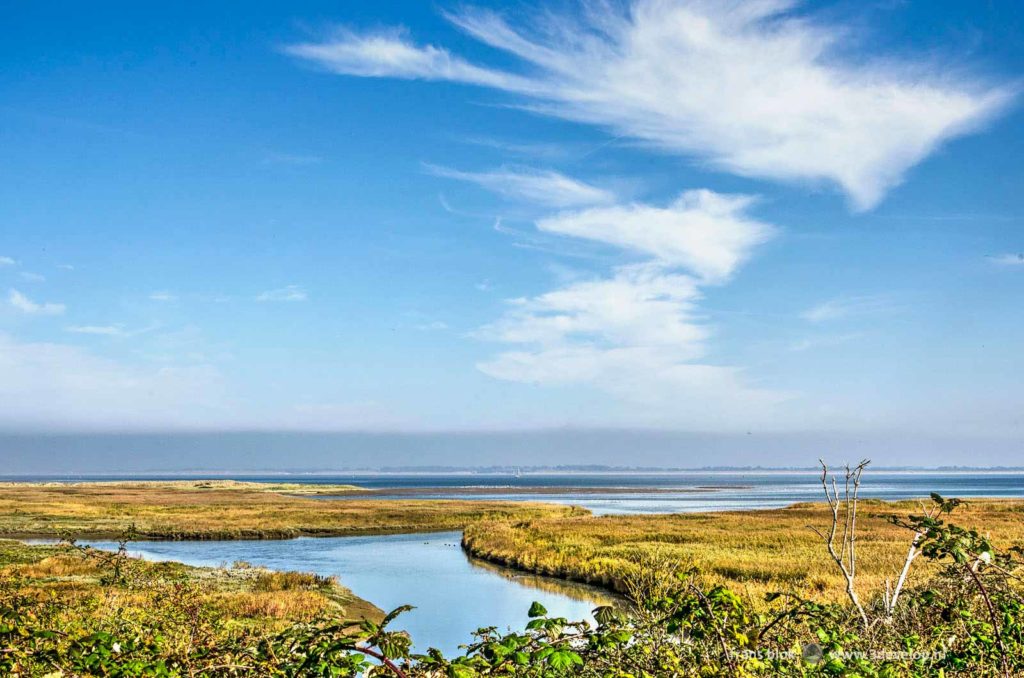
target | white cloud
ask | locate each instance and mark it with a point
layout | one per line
(7, 261)
(705, 232)
(636, 336)
(542, 187)
(1009, 259)
(639, 334)
(163, 296)
(57, 385)
(642, 305)
(843, 307)
(286, 293)
(32, 277)
(749, 87)
(27, 306)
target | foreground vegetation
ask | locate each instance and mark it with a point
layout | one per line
(87, 612)
(233, 510)
(950, 601)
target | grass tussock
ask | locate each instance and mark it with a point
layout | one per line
(271, 581)
(753, 552)
(294, 605)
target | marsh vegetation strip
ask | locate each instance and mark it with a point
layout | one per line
(624, 493)
(453, 595)
(610, 493)
(754, 552)
(232, 511)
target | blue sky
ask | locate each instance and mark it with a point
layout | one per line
(697, 216)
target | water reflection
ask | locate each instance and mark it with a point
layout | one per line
(570, 589)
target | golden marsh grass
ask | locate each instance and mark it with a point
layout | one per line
(753, 552)
(231, 510)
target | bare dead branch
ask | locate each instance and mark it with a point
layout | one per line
(846, 556)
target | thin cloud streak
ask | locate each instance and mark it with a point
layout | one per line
(844, 307)
(29, 307)
(286, 293)
(115, 331)
(543, 187)
(98, 330)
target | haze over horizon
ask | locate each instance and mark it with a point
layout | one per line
(640, 233)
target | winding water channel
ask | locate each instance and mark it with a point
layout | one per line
(453, 594)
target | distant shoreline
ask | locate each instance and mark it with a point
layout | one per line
(469, 473)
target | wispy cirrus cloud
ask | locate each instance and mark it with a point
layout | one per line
(29, 307)
(286, 293)
(7, 261)
(845, 307)
(98, 330)
(117, 330)
(163, 295)
(534, 149)
(541, 187)
(752, 88)
(389, 53)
